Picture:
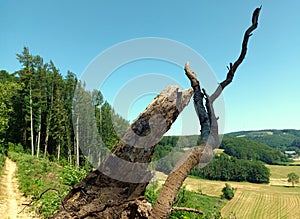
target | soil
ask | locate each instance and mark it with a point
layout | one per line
(11, 199)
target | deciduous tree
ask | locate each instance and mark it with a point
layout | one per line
(293, 178)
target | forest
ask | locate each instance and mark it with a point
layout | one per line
(242, 148)
(38, 111)
(226, 168)
(286, 139)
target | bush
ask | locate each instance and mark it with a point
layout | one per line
(152, 192)
(18, 148)
(228, 192)
(36, 175)
(70, 175)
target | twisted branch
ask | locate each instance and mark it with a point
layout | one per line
(233, 67)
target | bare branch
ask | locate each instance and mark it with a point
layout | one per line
(233, 67)
(193, 210)
(41, 195)
(191, 75)
(209, 128)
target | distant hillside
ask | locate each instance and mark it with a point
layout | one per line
(273, 138)
(243, 148)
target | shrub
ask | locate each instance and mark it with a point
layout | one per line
(18, 148)
(152, 192)
(228, 192)
(70, 175)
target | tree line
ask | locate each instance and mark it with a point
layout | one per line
(242, 148)
(225, 168)
(222, 167)
(40, 107)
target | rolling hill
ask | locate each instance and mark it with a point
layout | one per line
(271, 137)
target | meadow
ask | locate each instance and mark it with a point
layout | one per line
(278, 199)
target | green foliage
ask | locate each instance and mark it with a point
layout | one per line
(36, 175)
(181, 196)
(209, 205)
(38, 107)
(228, 192)
(293, 178)
(274, 138)
(2, 162)
(18, 148)
(242, 148)
(225, 168)
(152, 192)
(170, 149)
(8, 90)
(69, 175)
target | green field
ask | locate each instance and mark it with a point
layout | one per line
(256, 201)
(279, 172)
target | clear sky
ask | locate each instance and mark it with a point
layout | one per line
(265, 92)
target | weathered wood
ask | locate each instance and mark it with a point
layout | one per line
(122, 178)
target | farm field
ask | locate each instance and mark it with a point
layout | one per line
(258, 201)
(272, 202)
(278, 172)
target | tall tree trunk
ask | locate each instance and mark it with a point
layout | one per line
(39, 136)
(108, 196)
(77, 141)
(47, 136)
(49, 117)
(69, 145)
(58, 150)
(31, 119)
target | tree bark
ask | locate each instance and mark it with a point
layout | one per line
(39, 136)
(77, 141)
(168, 194)
(115, 188)
(31, 120)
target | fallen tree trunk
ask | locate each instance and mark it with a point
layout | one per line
(116, 188)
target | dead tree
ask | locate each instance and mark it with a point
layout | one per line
(116, 188)
(209, 131)
(103, 195)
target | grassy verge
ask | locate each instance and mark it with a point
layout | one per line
(210, 205)
(2, 162)
(36, 175)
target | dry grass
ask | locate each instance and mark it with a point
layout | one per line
(279, 172)
(272, 202)
(268, 201)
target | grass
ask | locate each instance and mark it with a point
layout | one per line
(253, 200)
(209, 205)
(279, 172)
(2, 163)
(36, 175)
(275, 200)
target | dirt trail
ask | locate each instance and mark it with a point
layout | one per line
(11, 198)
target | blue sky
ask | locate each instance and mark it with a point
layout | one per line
(264, 94)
